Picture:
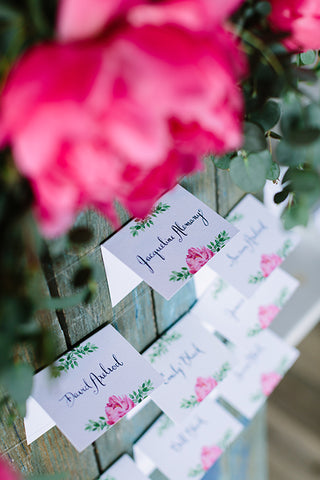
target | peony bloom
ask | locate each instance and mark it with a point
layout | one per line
(6, 473)
(269, 381)
(197, 257)
(268, 263)
(125, 115)
(204, 386)
(299, 18)
(267, 315)
(118, 407)
(209, 455)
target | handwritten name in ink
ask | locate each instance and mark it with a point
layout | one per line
(188, 434)
(250, 242)
(92, 383)
(180, 231)
(185, 360)
(251, 359)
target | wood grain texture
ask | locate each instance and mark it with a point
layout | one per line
(228, 193)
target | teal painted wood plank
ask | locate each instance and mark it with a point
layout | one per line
(203, 184)
(228, 193)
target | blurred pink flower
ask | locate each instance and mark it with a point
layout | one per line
(269, 381)
(204, 386)
(269, 262)
(124, 116)
(267, 315)
(300, 18)
(6, 472)
(209, 455)
(118, 407)
(197, 257)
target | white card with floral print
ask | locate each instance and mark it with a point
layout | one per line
(260, 247)
(192, 364)
(100, 381)
(190, 449)
(222, 308)
(124, 469)
(257, 375)
(166, 249)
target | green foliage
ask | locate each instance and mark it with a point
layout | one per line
(184, 274)
(249, 172)
(97, 425)
(70, 360)
(140, 225)
(223, 372)
(142, 392)
(256, 278)
(195, 472)
(190, 402)
(161, 346)
(165, 423)
(219, 241)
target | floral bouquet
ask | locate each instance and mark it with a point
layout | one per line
(106, 101)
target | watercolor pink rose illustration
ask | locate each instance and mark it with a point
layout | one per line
(205, 385)
(197, 257)
(267, 313)
(210, 454)
(269, 262)
(269, 381)
(118, 406)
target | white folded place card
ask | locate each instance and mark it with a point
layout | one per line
(123, 469)
(190, 449)
(36, 422)
(100, 381)
(257, 375)
(222, 308)
(259, 249)
(192, 364)
(178, 237)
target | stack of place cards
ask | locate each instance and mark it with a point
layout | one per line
(100, 381)
(256, 376)
(192, 365)
(166, 249)
(260, 247)
(123, 469)
(222, 308)
(190, 449)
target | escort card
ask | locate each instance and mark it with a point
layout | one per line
(222, 308)
(168, 247)
(192, 364)
(261, 247)
(100, 381)
(189, 450)
(123, 469)
(257, 375)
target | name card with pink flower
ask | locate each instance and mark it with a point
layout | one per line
(192, 364)
(170, 245)
(257, 375)
(93, 386)
(123, 469)
(222, 308)
(261, 246)
(190, 449)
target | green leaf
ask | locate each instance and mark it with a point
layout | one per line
(223, 162)
(288, 155)
(281, 196)
(309, 57)
(274, 172)
(254, 139)
(80, 235)
(263, 8)
(250, 173)
(295, 214)
(302, 181)
(55, 476)
(17, 380)
(268, 115)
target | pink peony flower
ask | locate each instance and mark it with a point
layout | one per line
(269, 381)
(268, 263)
(209, 455)
(204, 386)
(6, 472)
(197, 257)
(118, 407)
(124, 116)
(267, 315)
(301, 19)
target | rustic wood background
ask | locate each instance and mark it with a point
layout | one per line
(141, 317)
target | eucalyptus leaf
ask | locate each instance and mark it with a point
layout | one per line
(309, 57)
(17, 380)
(223, 162)
(268, 115)
(288, 155)
(273, 172)
(295, 214)
(281, 196)
(250, 173)
(254, 139)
